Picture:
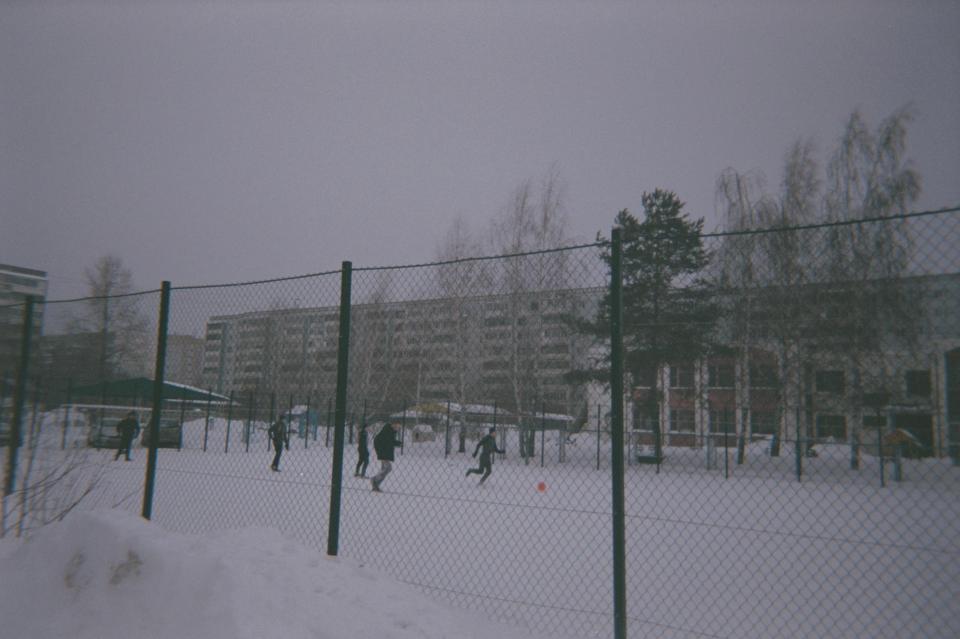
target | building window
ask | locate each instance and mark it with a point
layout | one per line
(646, 377)
(763, 422)
(763, 376)
(681, 376)
(832, 427)
(918, 383)
(721, 375)
(830, 382)
(681, 420)
(721, 421)
(645, 418)
(875, 421)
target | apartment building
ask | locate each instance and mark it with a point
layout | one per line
(16, 283)
(505, 349)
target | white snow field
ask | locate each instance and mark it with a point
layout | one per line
(755, 554)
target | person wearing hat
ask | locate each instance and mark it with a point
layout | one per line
(487, 446)
(127, 429)
(279, 436)
(384, 443)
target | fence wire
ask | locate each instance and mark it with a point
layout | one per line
(792, 427)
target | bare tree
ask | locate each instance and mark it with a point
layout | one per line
(53, 481)
(740, 266)
(869, 176)
(455, 345)
(532, 225)
(835, 292)
(113, 316)
(373, 343)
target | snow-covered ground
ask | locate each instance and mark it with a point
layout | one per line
(757, 555)
(113, 575)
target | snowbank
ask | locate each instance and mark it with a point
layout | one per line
(112, 575)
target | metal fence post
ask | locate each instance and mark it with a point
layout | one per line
(66, 418)
(616, 436)
(249, 425)
(226, 438)
(151, 473)
(446, 433)
(726, 446)
(798, 450)
(19, 397)
(206, 420)
(598, 436)
(343, 351)
(543, 435)
(306, 427)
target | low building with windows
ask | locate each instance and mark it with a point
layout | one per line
(806, 391)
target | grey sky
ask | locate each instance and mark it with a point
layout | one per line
(224, 141)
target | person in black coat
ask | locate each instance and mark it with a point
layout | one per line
(384, 443)
(127, 429)
(279, 435)
(363, 452)
(487, 446)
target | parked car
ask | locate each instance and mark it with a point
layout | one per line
(169, 435)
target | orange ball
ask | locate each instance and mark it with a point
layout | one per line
(542, 487)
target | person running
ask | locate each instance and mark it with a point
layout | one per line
(279, 436)
(384, 443)
(363, 452)
(487, 446)
(127, 429)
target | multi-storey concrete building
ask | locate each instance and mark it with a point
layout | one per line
(184, 359)
(16, 283)
(513, 350)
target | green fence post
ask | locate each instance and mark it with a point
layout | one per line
(598, 436)
(726, 444)
(183, 409)
(306, 426)
(543, 434)
(206, 419)
(151, 473)
(19, 397)
(343, 351)
(798, 450)
(226, 438)
(616, 433)
(271, 417)
(446, 434)
(66, 417)
(249, 425)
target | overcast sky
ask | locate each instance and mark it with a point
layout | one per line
(209, 142)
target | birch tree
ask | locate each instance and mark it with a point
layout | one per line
(528, 229)
(462, 283)
(113, 318)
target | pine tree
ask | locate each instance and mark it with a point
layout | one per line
(669, 310)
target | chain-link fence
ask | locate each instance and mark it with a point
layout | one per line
(791, 426)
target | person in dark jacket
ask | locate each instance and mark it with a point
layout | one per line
(384, 443)
(363, 452)
(280, 436)
(487, 446)
(127, 429)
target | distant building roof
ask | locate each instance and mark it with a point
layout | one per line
(142, 387)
